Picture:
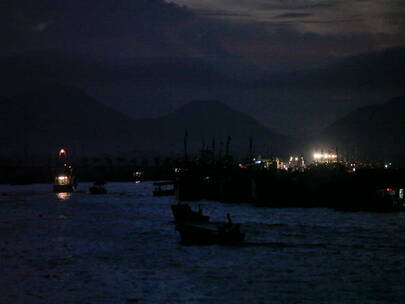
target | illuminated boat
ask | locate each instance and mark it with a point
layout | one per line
(138, 176)
(64, 180)
(390, 199)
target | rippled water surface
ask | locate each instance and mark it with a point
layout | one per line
(122, 248)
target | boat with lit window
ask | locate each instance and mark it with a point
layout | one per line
(389, 199)
(64, 179)
(64, 182)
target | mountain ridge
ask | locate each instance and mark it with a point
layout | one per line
(56, 115)
(374, 131)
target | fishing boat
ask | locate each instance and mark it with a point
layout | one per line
(64, 179)
(64, 182)
(388, 199)
(183, 213)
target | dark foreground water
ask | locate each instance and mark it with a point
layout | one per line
(122, 248)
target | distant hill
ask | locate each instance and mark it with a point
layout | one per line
(210, 123)
(376, 131)
(51, 116)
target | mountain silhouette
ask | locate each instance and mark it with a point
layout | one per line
(144, 87)
(209, 123)
(51, 116)
(375, 131)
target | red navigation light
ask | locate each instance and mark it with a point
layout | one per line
(62, 152)
(389, 189)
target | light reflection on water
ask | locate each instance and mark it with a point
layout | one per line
(63, 196)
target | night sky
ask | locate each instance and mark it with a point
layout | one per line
(298, 32)
(246, 38)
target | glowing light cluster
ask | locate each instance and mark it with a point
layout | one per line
(63, 180)
(324, 156)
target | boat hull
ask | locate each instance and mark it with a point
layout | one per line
(63, 188)
(196, 235)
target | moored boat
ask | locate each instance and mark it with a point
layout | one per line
(64, 182)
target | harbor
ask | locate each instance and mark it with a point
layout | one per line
(202, 152)
(122, 247)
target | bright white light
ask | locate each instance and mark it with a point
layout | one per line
(324, 156)
(62, 180)
(317, 155)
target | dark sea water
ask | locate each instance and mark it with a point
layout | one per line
(122, 248)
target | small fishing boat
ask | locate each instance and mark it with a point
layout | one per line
(389, 199)
(183, 213)
(64, 182)
(64, 179)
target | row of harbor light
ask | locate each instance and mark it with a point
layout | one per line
(325, 156)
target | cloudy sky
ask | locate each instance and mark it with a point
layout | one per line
(304, 31)
(268, 33)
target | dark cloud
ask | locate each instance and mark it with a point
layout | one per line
(281, 46)
(331, 21)
(221, 13)
(293, 15)
(106, 28)
(270, 34)
(294, 5)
